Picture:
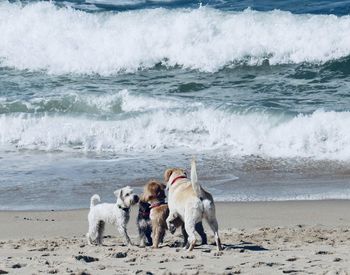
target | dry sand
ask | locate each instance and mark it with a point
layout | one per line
(259, 238)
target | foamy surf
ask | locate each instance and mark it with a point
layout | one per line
(41, 36)
(95, 95)
(320, 135)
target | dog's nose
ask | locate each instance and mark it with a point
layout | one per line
(136, 198)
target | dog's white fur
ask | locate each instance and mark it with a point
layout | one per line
(112, 213)
(189, 201)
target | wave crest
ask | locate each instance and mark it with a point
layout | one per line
(321, 135)
(40, 36)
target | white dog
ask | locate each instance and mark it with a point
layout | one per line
(190, 202)
(112, 213)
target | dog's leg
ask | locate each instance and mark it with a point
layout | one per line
(185, 236)
(161, 235)
(200, 230)
(122, 230)
(155, 237)
(101, 229)
(155, 234)
(214, 226)
(89, 240)
(169, 222)
(190, 229)
(93, 232)
(142, 234)
(148, 234)
(213, 223)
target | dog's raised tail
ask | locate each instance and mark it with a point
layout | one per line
(95, 199)
(194, 180)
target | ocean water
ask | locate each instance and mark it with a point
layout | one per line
(98, 94)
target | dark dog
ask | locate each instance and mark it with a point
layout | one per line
(144, 224)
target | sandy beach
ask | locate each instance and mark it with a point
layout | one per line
(296, 237)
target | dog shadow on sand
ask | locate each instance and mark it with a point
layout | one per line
(242, 246)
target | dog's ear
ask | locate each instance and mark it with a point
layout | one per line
(167, 174)
(142, 198)
(146, 196)
(160, 191)
(118, 193)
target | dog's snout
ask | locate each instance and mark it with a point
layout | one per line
(136, 198)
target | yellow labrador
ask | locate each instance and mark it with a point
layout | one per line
(190, 202)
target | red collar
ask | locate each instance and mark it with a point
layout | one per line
(179, 177)
(156, 204)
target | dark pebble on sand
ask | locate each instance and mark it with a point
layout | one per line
(3, 272)
(17, 266)
(323, 253)
(120, 255)
(337, 260)
(188, 257)
(86, 259)
(132, 260)
(219, 253)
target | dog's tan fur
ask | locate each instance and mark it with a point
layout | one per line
(154, 193)
(189, 201)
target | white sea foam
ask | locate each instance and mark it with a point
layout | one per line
(321, 135)
(40, 36)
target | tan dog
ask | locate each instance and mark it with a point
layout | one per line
(154, 194)
(159, 211)
(189, 202)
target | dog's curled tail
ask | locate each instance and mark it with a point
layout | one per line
(196, 187)
(95, 199)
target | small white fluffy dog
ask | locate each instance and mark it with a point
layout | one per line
(189, 201)
(112, 213)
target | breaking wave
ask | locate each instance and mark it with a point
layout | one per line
(150, 125)
(60, 40)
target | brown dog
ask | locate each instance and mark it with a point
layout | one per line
(154, 194)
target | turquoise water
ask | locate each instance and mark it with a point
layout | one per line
(95, 95)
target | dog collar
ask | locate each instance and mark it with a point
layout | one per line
(156, 204)
(179, 177)
(123, 208)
